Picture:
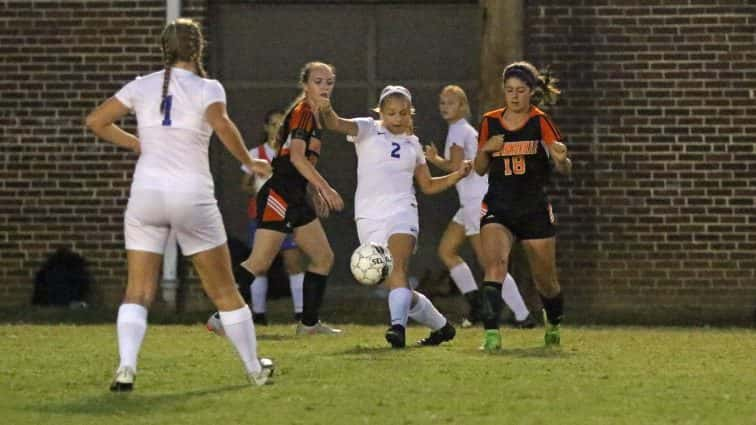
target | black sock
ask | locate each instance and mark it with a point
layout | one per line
(473, 299)
(313, 290)
(490, 304)
(554, 308)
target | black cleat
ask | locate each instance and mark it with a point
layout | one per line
(437, 337)
(260, 319)
(297, 317)
(395, 336)
(526, 323)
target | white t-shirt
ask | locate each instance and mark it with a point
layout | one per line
(385, 170)
(174, 143)
(462, 134)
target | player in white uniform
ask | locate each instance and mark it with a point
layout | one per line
(462, 144)
(177, 111)
(291, 254)
(389, 158)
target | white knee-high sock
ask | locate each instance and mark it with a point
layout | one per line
(240, 330)
(399, 301)
(511, 296)
(131, 326)
(463, 278)
(295, 284)
(424, 312)
(259, 291)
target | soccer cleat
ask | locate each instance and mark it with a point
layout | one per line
(527, 323)
(436, 337)
(466, 323)
(298, 317)
(491, 340)
(260, 319)
(124, 380)
(551, 337)
(395, 336)
(318, 328)
(215, 325)
(265, 375)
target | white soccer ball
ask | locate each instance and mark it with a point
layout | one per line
(215, 325)
(371, 263)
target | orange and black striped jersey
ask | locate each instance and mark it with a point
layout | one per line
(299, 123)
(520, 171)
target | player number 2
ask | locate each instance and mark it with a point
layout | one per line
(514, 165)
(167, 110)
(395, 152)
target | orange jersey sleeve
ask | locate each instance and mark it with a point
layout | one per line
(483, 132)
(549, 132)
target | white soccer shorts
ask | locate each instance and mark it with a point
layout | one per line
(151, 214)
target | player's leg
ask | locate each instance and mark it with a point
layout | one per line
(214, 269)
(510, 293)
(258, 287)
(293, 263)
(496, 242)
(542, 258)
(401, 246)
(448, 251)
(131, 325)
(146, 233)
(312, 240)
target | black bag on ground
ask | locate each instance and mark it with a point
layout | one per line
(64, 278)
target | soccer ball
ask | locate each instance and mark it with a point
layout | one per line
(371, 263)
(214, 324)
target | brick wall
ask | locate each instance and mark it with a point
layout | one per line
(657, 222)
(660, 112)
(58, 186)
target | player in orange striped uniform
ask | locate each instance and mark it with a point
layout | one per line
(517, 146)
(282, 202)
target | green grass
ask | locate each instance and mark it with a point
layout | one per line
(59, 375)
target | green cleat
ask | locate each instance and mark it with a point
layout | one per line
(491, 340)
(551, 337)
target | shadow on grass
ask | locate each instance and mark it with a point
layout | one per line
(540, 352)
(371, 350)
(107, 404)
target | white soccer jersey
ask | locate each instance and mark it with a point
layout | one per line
(174, 143)
(385, 170)
(462, 134)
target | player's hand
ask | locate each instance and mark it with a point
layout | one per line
(332, 198)
(317, 202)
(431, 153)
(494, 144)
(261, 167)
(465, 168)
(320, 104)
(136, 147)
(558, 151)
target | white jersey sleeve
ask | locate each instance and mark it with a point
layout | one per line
(126, 95)
(457, 136)
(365, 128)
(420, 158)
(214, 92)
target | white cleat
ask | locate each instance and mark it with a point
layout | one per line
(318, 328)
(265, 375)
(124, 380)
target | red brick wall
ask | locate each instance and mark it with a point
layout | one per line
(657, 222)
(659, 107)
(58, 185)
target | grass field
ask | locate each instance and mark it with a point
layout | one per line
(59, 374)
